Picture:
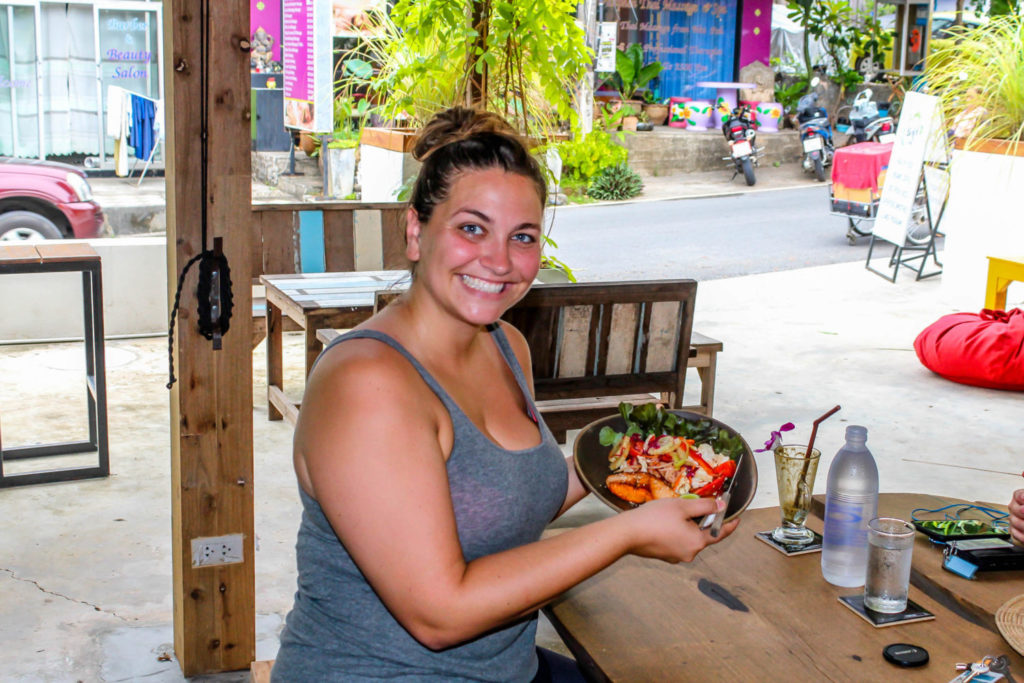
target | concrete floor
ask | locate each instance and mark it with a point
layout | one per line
(85, 569)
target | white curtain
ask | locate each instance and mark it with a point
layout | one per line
(68, 80)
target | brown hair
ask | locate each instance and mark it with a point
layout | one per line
(461, 139)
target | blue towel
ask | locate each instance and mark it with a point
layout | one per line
(141, 136)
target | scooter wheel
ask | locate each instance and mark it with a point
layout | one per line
(748, 172)
(819, 170)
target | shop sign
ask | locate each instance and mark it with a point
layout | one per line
(307, 53)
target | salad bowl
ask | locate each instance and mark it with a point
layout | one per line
(590, 458)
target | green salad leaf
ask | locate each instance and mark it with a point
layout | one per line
(649, 418)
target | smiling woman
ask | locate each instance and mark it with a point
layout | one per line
(424, 561)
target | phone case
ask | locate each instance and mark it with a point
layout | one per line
(937, 535)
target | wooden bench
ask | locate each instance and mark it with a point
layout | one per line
(604, 321)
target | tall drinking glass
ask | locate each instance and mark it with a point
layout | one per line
(794, 472)
(890, 551)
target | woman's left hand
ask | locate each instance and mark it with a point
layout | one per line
(1017, 516)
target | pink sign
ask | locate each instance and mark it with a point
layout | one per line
(265, 30)
(307, 53)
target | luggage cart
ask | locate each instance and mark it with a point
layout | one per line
(860, 216)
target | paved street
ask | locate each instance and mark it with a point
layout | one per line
(705, 238)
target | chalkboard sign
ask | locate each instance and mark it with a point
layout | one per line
(920, 137)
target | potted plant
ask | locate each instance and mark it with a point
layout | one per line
(977, 81)
(633, 74)
(657, 112)
(340, 159)
(630, 117)
(644, 121)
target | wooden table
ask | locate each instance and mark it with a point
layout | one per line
(745, 612)
(58, 256)
(313, 301)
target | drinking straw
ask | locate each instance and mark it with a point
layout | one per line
(807, 455)
(814, 431)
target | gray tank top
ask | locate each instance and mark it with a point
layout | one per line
(339, 630)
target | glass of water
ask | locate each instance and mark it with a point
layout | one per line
(890, 550)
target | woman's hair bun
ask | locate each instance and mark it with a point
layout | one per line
(457, 124)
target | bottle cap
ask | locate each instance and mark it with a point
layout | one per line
(856, 432)
(903, 654)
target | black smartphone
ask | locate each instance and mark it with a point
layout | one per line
(946, 530)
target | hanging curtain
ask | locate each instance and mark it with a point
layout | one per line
(694, 41)
(68, 80)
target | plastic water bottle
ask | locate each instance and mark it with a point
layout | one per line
(851, 502)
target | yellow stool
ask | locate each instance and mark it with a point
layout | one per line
(1001, 272)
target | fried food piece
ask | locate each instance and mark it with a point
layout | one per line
(638, 487)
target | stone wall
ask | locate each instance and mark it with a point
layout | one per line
(667, 151)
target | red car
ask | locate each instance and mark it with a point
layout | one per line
(45, 200)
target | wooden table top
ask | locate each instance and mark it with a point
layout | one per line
(19, 254)
(316, 291)
(744, 612)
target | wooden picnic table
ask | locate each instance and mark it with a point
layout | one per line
(743, 611)
(315, 301)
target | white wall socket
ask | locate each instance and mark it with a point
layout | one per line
(217, 550)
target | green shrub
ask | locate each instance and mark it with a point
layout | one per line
(616, 183)
(584, 157)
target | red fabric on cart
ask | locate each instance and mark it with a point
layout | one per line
(859, 166)
(983, 349)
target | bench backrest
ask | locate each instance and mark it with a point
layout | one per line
(608, 338)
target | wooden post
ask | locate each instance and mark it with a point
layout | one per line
(211, 404)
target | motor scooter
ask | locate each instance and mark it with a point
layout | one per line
(867, 123)
(815, 135)
(740, 133)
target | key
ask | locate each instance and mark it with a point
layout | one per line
(1001, 665)
(977, 668)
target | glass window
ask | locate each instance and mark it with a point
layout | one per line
(128, 55)
(19, 114)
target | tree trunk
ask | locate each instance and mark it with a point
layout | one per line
(476, 84)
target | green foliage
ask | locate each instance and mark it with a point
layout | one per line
(632, 74)
(840, 29)
(616, 183)
(346, 129)
(983, 69)
(584, 157)
(550, 261)
(425, 54)
(789, 95)
(650, 418)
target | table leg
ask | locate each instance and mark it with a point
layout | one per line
(313, 345)
(995, 291)
(707, 383)
(275, 358)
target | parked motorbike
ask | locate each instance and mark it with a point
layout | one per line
(867, 123)
(815, 135)
(740, 133)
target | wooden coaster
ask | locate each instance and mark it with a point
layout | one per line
(789, 549)
(1010, 621)
(913, 612)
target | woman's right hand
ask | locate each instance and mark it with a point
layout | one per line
(1017, 516)
(667, 529)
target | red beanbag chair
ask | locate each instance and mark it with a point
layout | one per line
(982, 349)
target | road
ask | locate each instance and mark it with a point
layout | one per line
(704, 239)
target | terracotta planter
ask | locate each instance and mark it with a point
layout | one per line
(629, 122)
(656, 113)
(308, 144)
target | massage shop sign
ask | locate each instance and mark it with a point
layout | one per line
(693, 40)
(307, 51)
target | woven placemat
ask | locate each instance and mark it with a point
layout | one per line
(1010, 620)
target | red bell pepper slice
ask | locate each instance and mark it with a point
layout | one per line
(711, 489)
(726, 469)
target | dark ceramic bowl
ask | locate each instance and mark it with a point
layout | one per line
(591, 460)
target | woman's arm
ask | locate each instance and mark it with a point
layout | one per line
(368, 436)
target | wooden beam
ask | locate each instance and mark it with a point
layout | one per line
(211, 404)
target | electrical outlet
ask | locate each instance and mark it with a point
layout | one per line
(217, 550)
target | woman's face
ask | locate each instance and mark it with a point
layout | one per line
(480, 251)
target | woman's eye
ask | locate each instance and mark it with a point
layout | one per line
(472, 229)
(524, 237)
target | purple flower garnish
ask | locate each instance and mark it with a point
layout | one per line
(776, 438)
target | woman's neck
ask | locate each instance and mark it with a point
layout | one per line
(433, 331)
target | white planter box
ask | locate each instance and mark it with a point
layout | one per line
(385, 163)
(341, 172)
(983, 218)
